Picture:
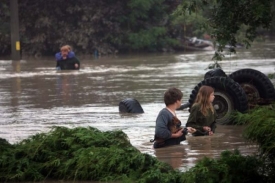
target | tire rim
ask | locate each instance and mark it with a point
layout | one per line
(223, 105)
(251, 92)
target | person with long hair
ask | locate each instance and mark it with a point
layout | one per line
(164, 134)
(202, 114)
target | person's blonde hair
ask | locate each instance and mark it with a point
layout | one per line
(66, 47)
(203, 99)
(69, 47)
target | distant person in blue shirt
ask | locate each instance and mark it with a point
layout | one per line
(58, 56)
(66, 62)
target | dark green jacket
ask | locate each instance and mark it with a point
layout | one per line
(197, 120)
(68, 64)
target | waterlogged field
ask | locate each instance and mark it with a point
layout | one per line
(34, 97)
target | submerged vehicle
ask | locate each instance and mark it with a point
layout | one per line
(195, 44)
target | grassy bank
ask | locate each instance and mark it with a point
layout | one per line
(89, 154)
(80, 154)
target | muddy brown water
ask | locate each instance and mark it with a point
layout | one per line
(34, 97)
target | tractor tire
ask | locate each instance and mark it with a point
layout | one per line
(214, 73)
(130, 105)
(229, 96)
(254, 83)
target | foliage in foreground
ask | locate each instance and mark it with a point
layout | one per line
(271, 76)
(80, 154)
(260, 129)
(230, 167)
(89, 154)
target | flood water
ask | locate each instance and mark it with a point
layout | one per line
(34, 97)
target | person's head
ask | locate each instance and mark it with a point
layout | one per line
(172, 96)
(64, 51)
(205, 98)
(69, 47)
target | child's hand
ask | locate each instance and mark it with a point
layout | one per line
(191, 130)
(207, 128)
(76, 66)
(179, 133)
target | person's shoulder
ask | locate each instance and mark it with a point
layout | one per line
(165, 112)
(196, 105)
(58, 56)
(164, 115)
(162, 112)
(71, 54)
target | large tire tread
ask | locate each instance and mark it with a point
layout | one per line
(215, 73)
(130, 105)
(257, 79)
(233, 89)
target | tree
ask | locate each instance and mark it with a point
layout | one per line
(4, 28)
(105, 25)
(125, 25)
(226, 18)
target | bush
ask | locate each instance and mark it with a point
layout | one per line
(260, 129)
(230, 167)
(89, 154)
(80, 154)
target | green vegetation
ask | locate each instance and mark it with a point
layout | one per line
(227, 20)
(230, 167)
(89, 154)
(108, 26)
(271, 76)
(80, 154)
(260, 128)
(189, 23)
(4, 28)
(133, 25)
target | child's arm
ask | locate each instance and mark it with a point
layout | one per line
(58, 56)
(71, 54)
